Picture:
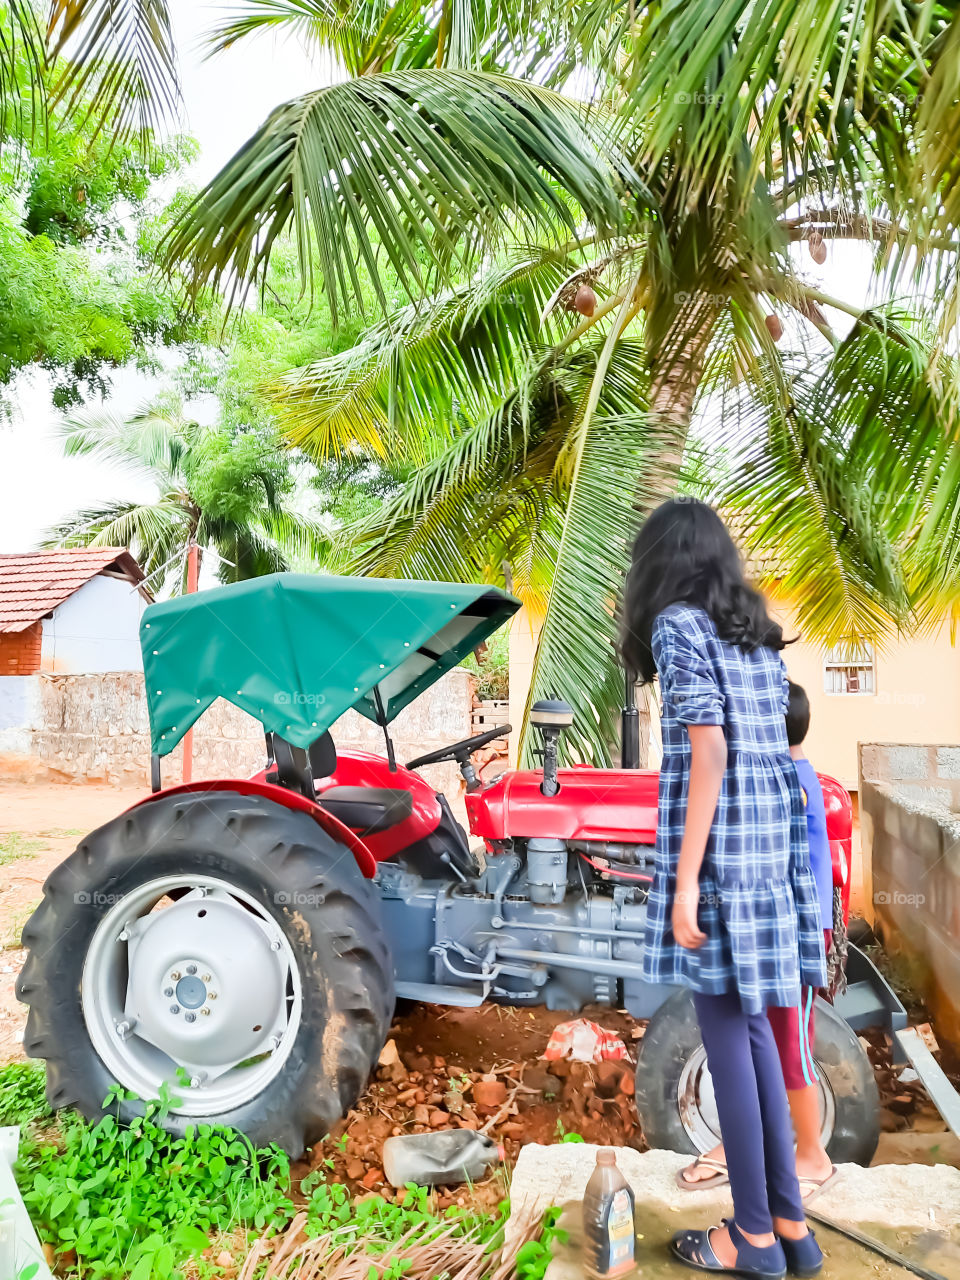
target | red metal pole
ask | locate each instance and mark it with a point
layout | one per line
(193, 573)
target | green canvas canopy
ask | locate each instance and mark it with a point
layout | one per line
(296, 651)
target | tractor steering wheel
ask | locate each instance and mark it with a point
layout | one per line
(461, 751)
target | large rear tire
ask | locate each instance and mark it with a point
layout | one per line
(221, 945)
(674, 1092)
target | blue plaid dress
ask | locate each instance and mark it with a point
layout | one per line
(758, 898)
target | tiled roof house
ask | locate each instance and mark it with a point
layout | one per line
(70, 610)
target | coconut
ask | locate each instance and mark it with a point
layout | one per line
(774, 327)
(585, 300)
(818, 250)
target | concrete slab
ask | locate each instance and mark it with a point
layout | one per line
(20, 1251)
(914, 1209)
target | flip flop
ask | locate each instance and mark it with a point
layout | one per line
(810, 1187)
(693, 1249)
(719, 1179)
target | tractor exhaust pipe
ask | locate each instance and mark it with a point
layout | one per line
(630, 726)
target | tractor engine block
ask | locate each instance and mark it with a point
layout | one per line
(540, 925)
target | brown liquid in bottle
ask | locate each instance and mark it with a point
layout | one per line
(609, 1236)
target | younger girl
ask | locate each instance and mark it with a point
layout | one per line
(733, 911)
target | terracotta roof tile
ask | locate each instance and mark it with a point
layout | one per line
(32, 583)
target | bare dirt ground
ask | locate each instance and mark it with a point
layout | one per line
(39, 826)
(441, 1054)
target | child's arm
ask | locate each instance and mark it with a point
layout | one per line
(708, 761)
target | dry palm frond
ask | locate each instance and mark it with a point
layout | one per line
(428, 1252)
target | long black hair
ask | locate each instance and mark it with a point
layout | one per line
(683, 554)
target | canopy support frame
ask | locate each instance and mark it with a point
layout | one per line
(384, 725)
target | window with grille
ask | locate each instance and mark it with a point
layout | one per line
(850, 668)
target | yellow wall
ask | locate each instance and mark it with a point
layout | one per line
(524, 631)
(917, 697)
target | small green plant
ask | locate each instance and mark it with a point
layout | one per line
(23, 1093)
(136, 1202)
(14, 845)
(379, 1223)
(564, 1136)
(535, 1256)
(492, 669)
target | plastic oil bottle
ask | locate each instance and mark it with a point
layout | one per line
(608, 1229)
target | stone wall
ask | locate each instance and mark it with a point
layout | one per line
(910, 828)
(94, 729)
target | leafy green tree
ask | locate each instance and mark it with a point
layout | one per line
(707, 142)
(232, 493)
(76, 294)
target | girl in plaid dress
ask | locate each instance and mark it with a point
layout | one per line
(733, 912)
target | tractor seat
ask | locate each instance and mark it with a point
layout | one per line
(367, 810)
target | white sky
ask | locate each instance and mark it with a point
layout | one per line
(225, 100)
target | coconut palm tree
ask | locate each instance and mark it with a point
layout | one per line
(515, 160)
(228, 494)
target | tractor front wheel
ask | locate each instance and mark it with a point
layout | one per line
(218, 951)
(674, 1090)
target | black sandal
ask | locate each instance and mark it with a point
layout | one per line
(693, 1249)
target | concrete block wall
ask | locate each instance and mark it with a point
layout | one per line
(94, 728)
(910, 830)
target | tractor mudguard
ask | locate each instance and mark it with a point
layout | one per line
(279, 795)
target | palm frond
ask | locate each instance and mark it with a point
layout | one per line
(618, 470)
(300, 534)
(796, 82)
(835, 470)
(21, 50)
(420, 166)
(430, 368)
(153, 439)
(152, 531)
(118, 61)
(317, 20)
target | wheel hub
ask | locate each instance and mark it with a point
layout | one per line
(228, 991)
(192, 992)
(207, 985)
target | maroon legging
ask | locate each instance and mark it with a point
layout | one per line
(793, 1032)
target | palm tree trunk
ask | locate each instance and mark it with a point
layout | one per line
(674, 382)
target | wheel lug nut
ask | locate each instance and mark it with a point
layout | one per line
(190, 1017)
(168, 992)
(175, 976)
(211, 995)
(205, 1011)
(275, 946)
(174, 1008)
(205, 977)
(191, 968)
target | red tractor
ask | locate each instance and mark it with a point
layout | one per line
(242, 942)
